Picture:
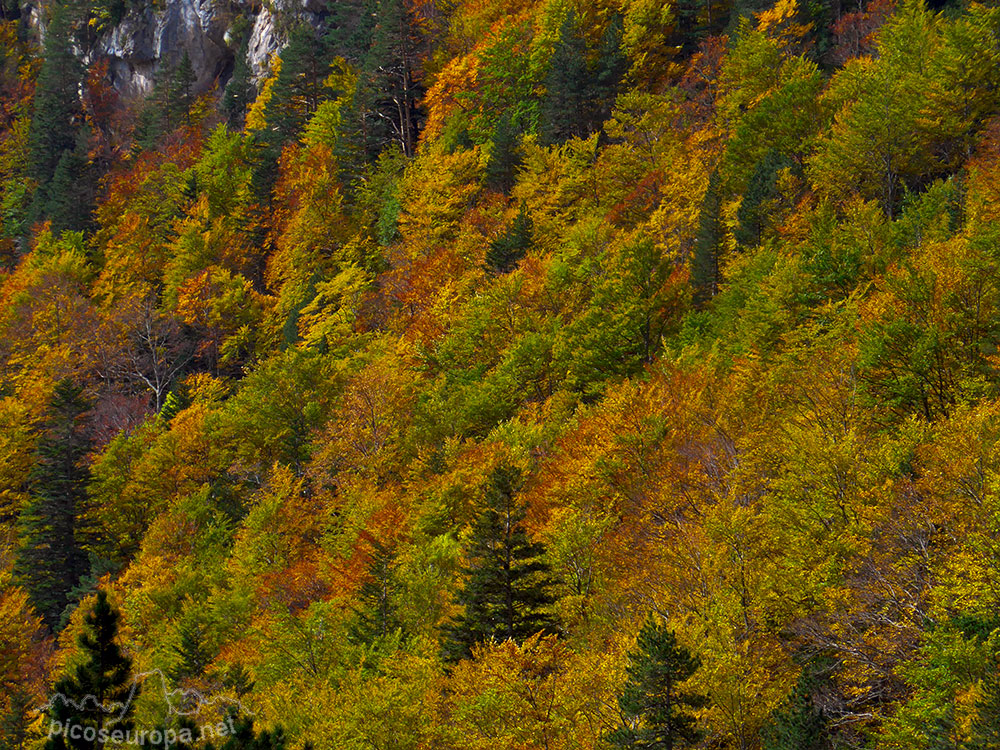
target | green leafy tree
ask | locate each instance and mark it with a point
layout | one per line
(985, 729)
(506, 591)
(99, 693)
(653, 704)
(50, 557)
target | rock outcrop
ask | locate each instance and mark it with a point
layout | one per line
(151, 40)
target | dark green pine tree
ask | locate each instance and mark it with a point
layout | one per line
(391, 69)
(100, 692)
(57, 106)
(182, 90)
(655, 708)
(505, 155)
(69, 196)
(506, 591)
(705, 260)
(245, 738)
(297, 92)
(799, 725)
(377, 615)
(567, 101)
(50, 559)
(761, 188)
(238, 94)
(612, 65)
(507, 249)
(985, 730)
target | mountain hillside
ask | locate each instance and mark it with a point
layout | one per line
(500, 374)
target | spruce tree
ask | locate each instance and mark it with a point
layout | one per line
(705, 260)
(507, 249)
(653, 703)
(57, 106)
(761, 188)
(297, 92)
(182, 90)
(238, 93)
(506, 591)
(99, 694)
(377, 615)
(69, 196)
(799, 725)
(391, 72)
(612, 65)
(246, 738)
(505, 155)
(50, 558)
(565, 107)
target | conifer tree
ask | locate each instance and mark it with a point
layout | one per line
(377, 615)
(705, 261)
(761, 188)
(505, 155)
(50, 557)
(297, 92)
(246, 738)
(69, 196)
(506, 591)
(566, 103)
(238, 93)
(99, 694)
(391, 69)
(799, 725)
(182, 90)
(57, 106)
(612, 65)
(653, 703)
(507, 249)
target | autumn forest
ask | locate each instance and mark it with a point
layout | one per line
(501, 375)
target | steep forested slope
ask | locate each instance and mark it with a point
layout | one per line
(491, 364)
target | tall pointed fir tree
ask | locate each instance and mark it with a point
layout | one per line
(377, 615)
(506, 591)
(505, 155)
(706, 272)
(297, 92)
(566, 102)
(57, 108)
(506, 250)
(391, 70)
(655, 708)
(238, 93)
(182, 89)
(50, 558)
(98, 695)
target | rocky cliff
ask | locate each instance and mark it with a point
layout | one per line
(152, 38)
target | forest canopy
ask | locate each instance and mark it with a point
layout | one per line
(505, 374)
